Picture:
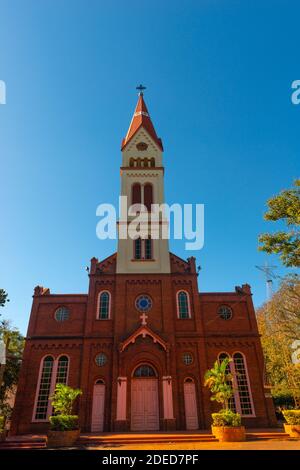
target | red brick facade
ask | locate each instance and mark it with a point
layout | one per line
(82, 336)
(178, 350)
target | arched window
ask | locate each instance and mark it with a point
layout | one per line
(231, 402)
(143, 249)
(42, 403)
(62, 370)
(104, 305)
(241, 402)
(99, 382)
(136, 194)
(144, 371)
(152, 162)
(148, 248)
(131, 162)
(188, 380)
(242, 383)
(148, 196)
(183, 309)
(137, 248)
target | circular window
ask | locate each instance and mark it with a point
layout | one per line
(101, 359)
(62, 314)
(143, 303)
(225, 312)
(187, 359)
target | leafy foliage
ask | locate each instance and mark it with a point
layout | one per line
(282, 398)
(64, 422)
(279, 324)
(3, 297)
(14, 344)
(284, 207)
(292, 416)
(226, 418)
(219, 381)
(63, 399)
(2, 423)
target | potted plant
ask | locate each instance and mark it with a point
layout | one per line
(226, 424)
(3, 431)
(292, 425)
(64, 428)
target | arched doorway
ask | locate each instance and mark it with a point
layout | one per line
(190, 404)
(98, 406)
(144, 399)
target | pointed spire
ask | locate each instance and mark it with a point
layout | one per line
(141, 118)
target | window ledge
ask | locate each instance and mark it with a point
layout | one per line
(143, 260)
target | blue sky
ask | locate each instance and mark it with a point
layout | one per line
(218, 76)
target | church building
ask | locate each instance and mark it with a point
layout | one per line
(139, 342)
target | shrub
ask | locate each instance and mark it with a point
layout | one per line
(292, 416)
(64, 398)
(281, 399)
(2, 423)
(226, 418)
(63, 422)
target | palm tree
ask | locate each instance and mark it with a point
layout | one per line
(219, 380)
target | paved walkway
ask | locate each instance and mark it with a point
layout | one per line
(247, 445)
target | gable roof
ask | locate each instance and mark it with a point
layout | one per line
(143, 331)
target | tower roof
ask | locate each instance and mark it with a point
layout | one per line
(141, 118)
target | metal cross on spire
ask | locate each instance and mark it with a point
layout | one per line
(141, 88)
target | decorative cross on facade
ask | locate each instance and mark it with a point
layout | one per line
(144, 317)
(141, 88)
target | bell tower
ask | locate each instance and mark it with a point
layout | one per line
(142, 182)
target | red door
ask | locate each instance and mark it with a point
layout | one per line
(190, 403)
(98, 408)
(144, 405)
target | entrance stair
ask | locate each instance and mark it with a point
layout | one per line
(103, 440)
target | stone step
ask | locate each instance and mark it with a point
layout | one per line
(115, 439)
(106, 440)
(143, 438)
(22, 445)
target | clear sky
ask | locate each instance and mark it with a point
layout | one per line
(218, 76)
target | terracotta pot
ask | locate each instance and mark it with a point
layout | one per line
(62, 438)
(215, 430)
(229, 433)
(292, 430)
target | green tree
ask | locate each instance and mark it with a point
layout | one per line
(219, 381)
(14, 349)
(3, 297)
(284, 207)
(279, 325)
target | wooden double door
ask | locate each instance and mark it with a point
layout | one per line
(144, 404)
